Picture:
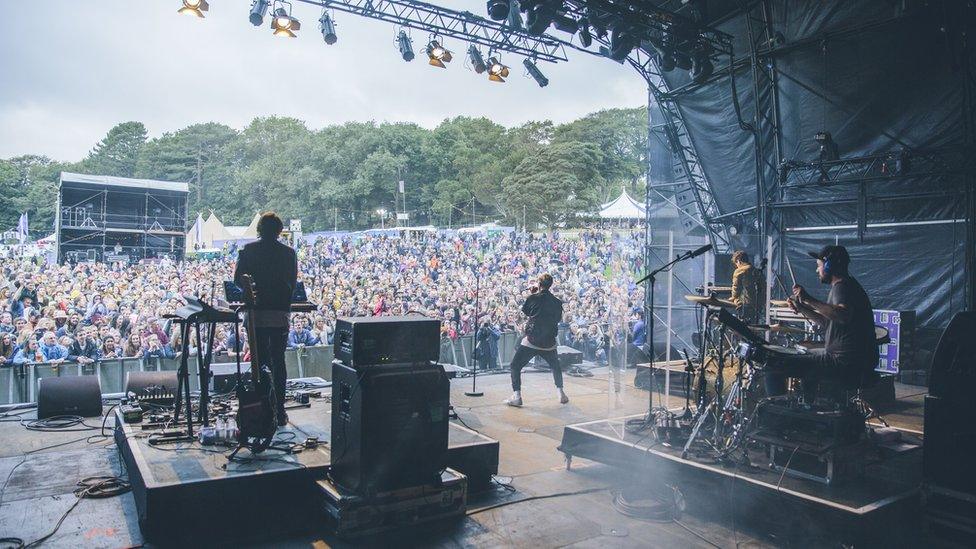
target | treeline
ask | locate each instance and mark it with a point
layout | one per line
(463, 171)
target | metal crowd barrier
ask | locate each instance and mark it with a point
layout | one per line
(18, 383)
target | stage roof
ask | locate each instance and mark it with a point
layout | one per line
(112, 181)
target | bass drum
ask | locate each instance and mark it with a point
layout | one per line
(729, 372)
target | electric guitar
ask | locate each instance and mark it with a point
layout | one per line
(255, 393)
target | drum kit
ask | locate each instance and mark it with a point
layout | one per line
(732, 355)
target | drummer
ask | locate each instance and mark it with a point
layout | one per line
(850, 352)
(746, 288)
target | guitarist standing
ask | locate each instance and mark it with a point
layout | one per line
(274, 268)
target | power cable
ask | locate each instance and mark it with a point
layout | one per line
(533, 498)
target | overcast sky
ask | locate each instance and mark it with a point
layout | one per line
(73, 69)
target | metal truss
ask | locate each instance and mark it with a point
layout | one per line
(901, 165)
(690, 176)
(455, 24)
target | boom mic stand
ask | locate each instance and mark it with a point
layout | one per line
(474, 392)
(649, 321)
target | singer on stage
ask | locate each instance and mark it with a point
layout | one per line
(274, 268)
(544, 311)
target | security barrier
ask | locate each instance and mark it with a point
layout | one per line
(18, 383)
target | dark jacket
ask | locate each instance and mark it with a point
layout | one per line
(90, 350)
(544, 311)
(274, 268)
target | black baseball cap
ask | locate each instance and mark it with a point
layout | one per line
(836, 254)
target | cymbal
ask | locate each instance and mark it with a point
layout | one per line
(779, 328)
(720, 288)
(709, 301)
(779, 303)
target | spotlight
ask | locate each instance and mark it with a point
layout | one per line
(477, 62)
(540, 16)
(328, 29)
(565, 23)
(584, 33)
(622, 41)
(496, 71)
(701, 67)
(498, 9)
(514, 17)
(667, 62)
(284, 24)
(194, 7)
(535, 73)
(258, 9)
(438, 54)
(828, 149)
(405, 45)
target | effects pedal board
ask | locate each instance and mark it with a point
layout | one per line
(131, 412)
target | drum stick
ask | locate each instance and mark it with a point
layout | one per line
(790, 267)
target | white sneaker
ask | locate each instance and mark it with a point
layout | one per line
(514, 400)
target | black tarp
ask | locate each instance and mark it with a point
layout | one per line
(897, 83)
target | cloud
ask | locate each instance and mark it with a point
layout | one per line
(90, 65)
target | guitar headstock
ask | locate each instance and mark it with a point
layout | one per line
(250, 293)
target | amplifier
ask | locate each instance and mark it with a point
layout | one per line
(811, 426)
(376, 340)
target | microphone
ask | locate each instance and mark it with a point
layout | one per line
(700, 251)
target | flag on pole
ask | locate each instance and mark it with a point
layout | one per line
(401, 187)
(22, 227)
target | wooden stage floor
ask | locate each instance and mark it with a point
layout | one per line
(40, 483)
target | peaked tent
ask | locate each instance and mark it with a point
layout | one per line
(204, 233)
(622, 207)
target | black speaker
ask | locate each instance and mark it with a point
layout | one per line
(69, 396)
(161, 385)
(389, 426)
(370, 340)
(950, 411)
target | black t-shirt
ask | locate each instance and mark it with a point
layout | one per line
(854, 341)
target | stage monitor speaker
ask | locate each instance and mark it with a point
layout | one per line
(155, 385)
(389, 427)
(69, 396)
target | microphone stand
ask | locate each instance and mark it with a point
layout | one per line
(474, 392)
(649, 324)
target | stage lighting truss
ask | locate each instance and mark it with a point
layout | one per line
(194, 8)
(327, 27)
(497, 72)
(282, 21)
(405, 45)
(437, 54)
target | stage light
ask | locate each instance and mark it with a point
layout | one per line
(498, 9)
(496, 71)
(540, 16)
(701, 68)
(406, 46)
(284, 24)
(535, 73)
(258, 9)
(438, 54)
(514, 17)
(622, 41)
(477, 62)
(328, 29)
(565, 23)
(194, 7)
(828, 149)
(584, 33)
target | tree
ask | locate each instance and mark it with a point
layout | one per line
(622, 136)
(554, 186)
(118, 153)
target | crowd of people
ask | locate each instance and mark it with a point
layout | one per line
(94, 311)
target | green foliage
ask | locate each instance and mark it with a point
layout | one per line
(340, 175)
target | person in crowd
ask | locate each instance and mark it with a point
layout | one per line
(6, 323)
(321, 331)
(300, 336)
(155, 348)
(51, 350)
(109, 348)
(83, 349)
(8, 348)
(133, 345)
(71, 326)
(31, 352)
